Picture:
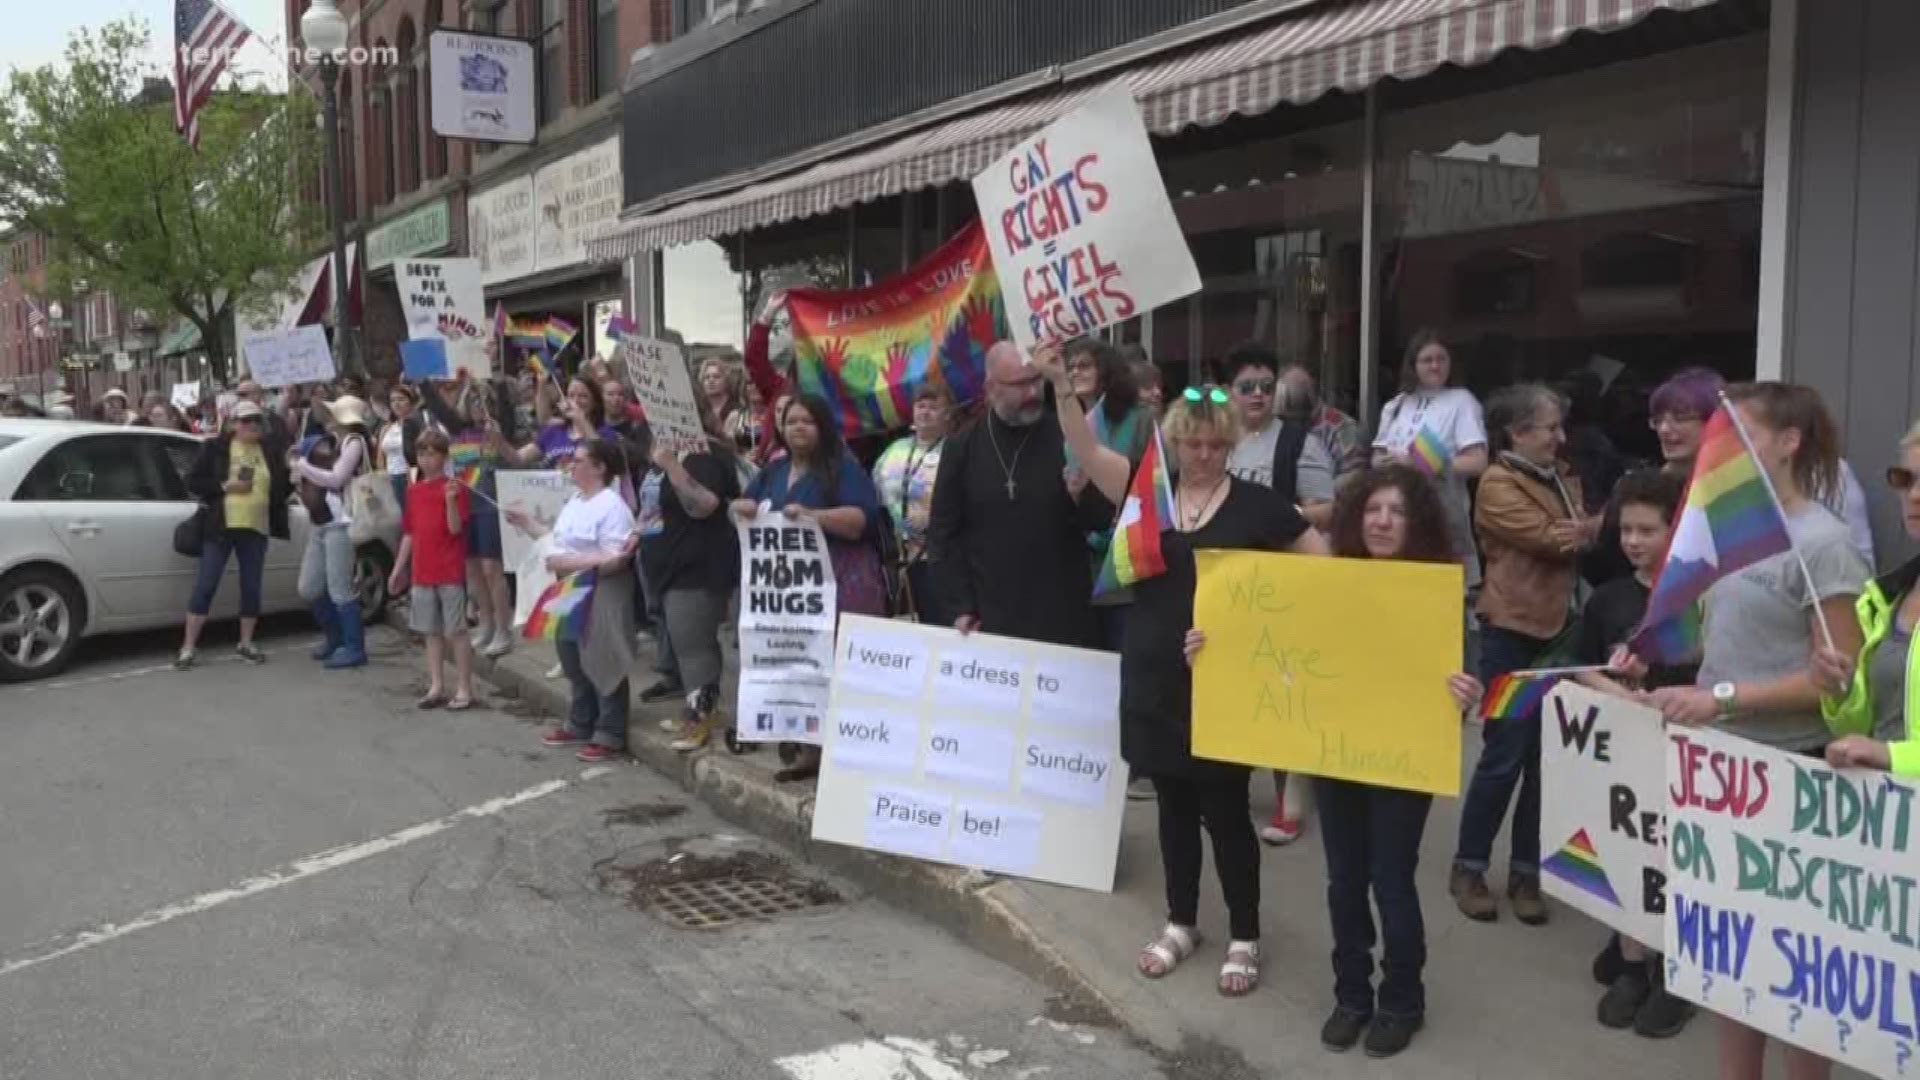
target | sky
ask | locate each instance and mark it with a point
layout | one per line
(36, 31)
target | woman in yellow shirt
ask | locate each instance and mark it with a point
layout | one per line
(243, 494)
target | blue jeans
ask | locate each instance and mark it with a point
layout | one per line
(244, 544)
(399, 481)
(1509, 758)
(1372, 838)
(326, 567)
(600, 719)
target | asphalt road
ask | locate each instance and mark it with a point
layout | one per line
(288, 873)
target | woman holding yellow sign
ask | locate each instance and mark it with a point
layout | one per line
(1211, 510)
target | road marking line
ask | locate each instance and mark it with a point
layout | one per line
(130, 673)
(320, 863)
(894, 1059)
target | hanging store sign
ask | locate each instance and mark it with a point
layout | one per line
(483, 87)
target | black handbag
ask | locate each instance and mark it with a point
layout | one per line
(191, 535)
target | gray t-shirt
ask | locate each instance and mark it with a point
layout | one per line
(1887, 678)
(1756, 627)
(1252, 461)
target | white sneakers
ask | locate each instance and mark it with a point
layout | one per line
(501, 645)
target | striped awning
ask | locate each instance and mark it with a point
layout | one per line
(1346, 46)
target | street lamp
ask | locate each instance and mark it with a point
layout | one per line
(324, 30)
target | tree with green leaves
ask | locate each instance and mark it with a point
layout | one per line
(89, 158)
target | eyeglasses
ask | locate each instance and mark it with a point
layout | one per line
(1255, 386)
(1676, 419)
(1212, 393)
(1899, 479)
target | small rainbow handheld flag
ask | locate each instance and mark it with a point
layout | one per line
(558, 332)
(1429, 453)
(561, 612)
(1729, 521)
(1135, 553)
(1516, 695)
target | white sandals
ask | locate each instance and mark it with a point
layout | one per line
(1243, 962)
(1165, 952)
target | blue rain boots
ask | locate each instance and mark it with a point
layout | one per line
(329, 628)
(352, 652)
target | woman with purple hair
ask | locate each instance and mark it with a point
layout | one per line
(1677, 412)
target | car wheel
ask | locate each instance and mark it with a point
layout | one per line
(372, 565)
(41, 616)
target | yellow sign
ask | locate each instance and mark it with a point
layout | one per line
(1329, 667)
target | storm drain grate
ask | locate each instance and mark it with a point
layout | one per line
(714, 903)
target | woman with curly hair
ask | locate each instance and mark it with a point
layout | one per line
(1372, 833)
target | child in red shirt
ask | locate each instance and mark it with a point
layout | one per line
(434, 542)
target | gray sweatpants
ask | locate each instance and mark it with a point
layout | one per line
(693, 622)
(327, 566)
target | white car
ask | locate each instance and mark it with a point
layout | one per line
(87, 516)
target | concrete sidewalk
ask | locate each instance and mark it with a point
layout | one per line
(1504, 1000)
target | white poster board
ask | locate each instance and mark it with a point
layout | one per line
(977, 750)
(657, 371)
(443, 298)
(483, 86)
(1792, 898)
(1603, 809)
(1080, 227)
(788, 601)
(185, 395)
(541, 493)
(289, 357)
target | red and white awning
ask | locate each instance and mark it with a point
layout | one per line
(1344, 46)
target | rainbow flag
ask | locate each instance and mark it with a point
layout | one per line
(1135, 555)
(558, 332)
(1429, 453)
(1578, 864)
(467, 458)
(1515, 696)
(1728, 521)
(561, 612)
(866, 351)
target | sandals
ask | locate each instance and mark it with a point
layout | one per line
(460, 704)
(1240, 975)
(431, 701)
(1165, 952)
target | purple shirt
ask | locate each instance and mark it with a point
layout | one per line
(558, 442)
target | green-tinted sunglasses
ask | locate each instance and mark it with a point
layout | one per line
(1211, 393)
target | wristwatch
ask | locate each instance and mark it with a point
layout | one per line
(1725, 696)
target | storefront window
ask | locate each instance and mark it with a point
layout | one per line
(700, 296)
(1273, 221)
(1597, 230)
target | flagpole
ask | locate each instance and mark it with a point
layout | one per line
(1547, 672)
(1740, 428)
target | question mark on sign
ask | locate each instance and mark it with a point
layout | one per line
(1900, 1055)
(1706, 983)
(1673, 970)
(1846, 1029)
(1793, 1018)
(1749, 1001)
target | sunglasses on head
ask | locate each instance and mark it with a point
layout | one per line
(1900, 479)
(1255, 386)
(1212, 393)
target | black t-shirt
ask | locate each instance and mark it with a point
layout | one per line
(1612, 614)
(1156, 687)
(690, 552)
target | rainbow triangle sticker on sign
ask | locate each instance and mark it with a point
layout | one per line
(1577, 864)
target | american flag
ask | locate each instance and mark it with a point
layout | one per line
(205, 36)
(36, 319)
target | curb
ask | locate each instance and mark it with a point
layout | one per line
(975, 906)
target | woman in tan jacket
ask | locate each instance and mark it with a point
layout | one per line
(1531, 529)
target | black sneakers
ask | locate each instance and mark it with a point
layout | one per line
(1343, 1029)
(662, 690)
(1388, 1035)
(1624, 997)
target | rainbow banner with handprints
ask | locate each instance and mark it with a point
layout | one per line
(867, 351)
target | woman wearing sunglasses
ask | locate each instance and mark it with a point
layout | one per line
(1211, 510)
(1870, 698)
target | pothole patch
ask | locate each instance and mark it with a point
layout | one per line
(693, 889)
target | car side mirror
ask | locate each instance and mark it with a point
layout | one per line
(76, 485)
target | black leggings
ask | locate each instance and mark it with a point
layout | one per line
(1215, 796)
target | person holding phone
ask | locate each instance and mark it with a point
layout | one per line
(243, 494)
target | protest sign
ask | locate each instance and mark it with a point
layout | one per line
(1291, 680)
(1082, 233)
(1791, 898)
(787, 607)
(976, 750)
(442, 298)
(289, 357)
(185, 395)
(541, 493)
(657, 371)
(424, 358)
(1603, 806)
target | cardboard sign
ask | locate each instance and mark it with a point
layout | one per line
(424, 358)
(1603, 809)
(185, 395)
(1081, 230)
(541, 493)
(442, 298)
(1791, 898)
(1291, 679)
(788, 600)
(976, 750)
(289, 357)
(657, 371)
